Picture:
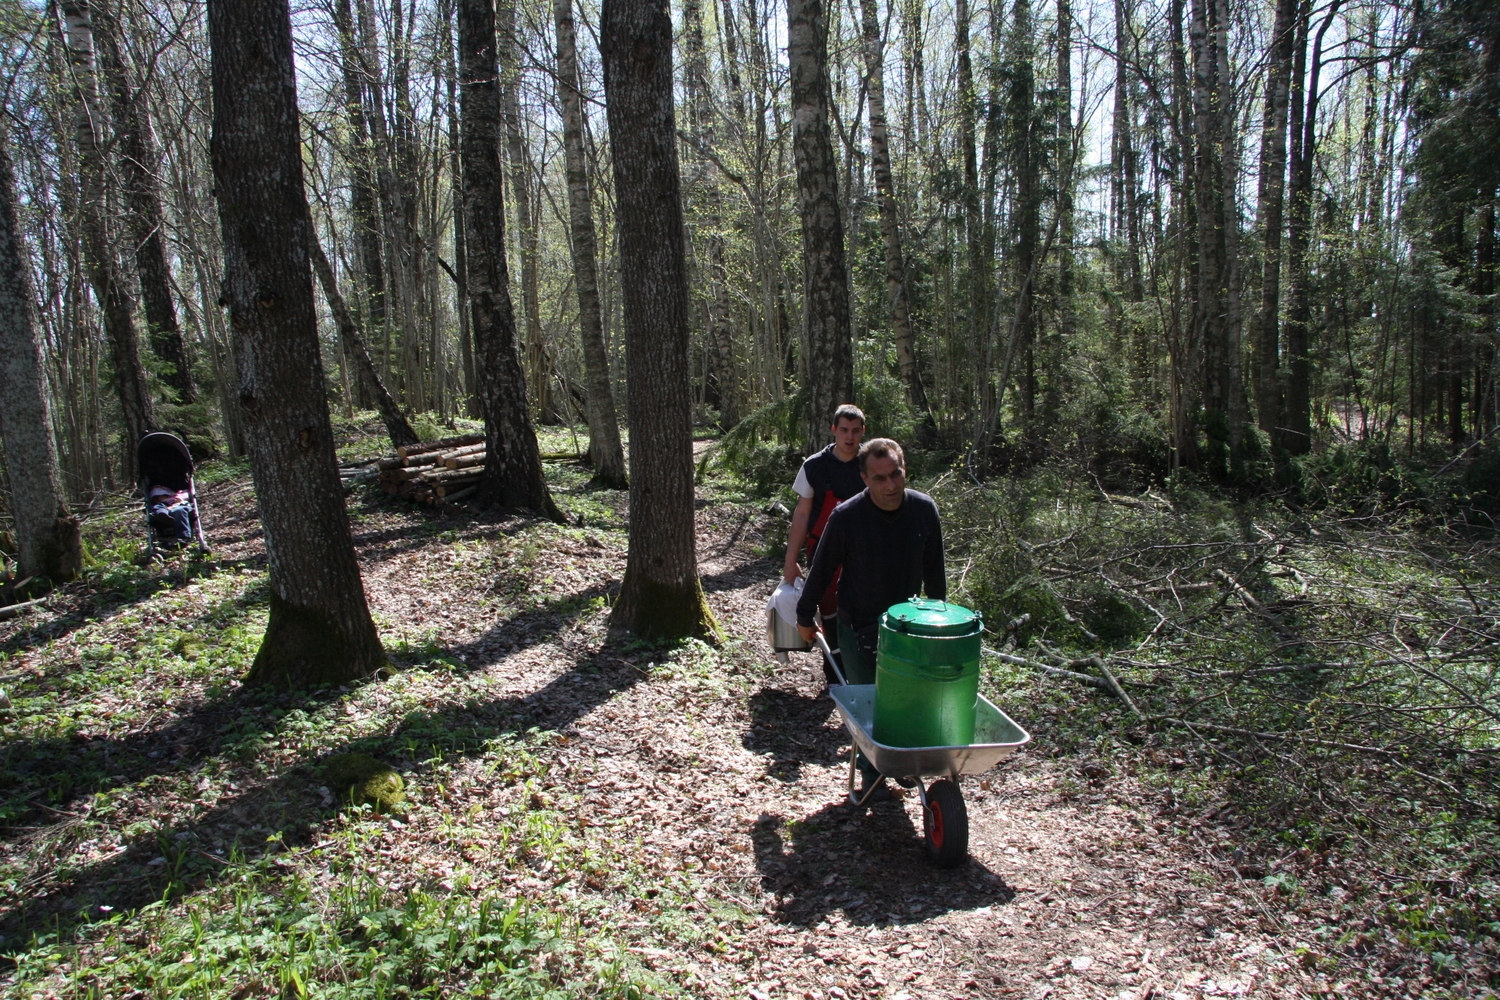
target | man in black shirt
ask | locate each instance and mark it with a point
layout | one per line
(889, 543)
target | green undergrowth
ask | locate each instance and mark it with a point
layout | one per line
(1317, 690)
(445, 904)
(165, 832)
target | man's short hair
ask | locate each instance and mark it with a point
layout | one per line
(880, 448)
(847, 411)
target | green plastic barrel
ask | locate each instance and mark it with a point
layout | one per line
(927, 674)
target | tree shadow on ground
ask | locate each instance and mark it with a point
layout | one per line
(291, 804)
(737, 577)
(870, 864)
(50, 774)
(527, 628)
(795, 729)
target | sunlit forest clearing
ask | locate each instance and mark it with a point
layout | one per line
(407, 410)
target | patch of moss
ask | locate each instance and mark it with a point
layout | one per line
(1110, 616)
(361, 779)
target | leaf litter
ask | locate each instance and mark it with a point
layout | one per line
(680, 810)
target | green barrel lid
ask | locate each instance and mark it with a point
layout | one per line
(923, 616)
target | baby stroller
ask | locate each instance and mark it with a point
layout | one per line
(166, 468)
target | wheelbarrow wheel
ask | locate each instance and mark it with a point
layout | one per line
(946, 824)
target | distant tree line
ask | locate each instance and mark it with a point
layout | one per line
(1204, 233)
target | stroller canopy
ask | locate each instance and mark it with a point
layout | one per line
(164, 460)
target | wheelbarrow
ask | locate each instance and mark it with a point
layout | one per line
(945, 819)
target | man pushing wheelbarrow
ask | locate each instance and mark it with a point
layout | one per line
(910, 667)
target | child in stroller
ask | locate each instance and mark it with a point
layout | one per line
(166, 467)
(169, 513)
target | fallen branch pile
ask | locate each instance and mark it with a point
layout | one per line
(435, 472)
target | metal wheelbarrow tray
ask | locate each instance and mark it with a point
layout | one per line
(945, 818)
(996, 734)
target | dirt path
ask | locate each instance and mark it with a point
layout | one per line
(708, 792)
(1075, 888)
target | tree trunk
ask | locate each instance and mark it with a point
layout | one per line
(455, 182)
(978, 325)
(902, 332)
(1271, 199)
(1025, 164)
(537, 374)
(1297, 420)
(47, 536)
(320, 630)
(138, 159)
(1216, 303)
(1233, 392)
(1060, 342)
(396, 425)
(363, 202)
(1124, 173)
(661, 596)
(1185, 347)
(388, 195)
(606, 454)
(720, 344)
(513, 464)
(826, 343)
(109, 286)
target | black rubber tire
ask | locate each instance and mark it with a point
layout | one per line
(946, 825)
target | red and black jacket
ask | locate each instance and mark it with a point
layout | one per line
(833, 481)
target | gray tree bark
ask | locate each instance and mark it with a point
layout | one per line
(605, 451)
(358, 352)
(47, 536)
(513, 463)
(1297, 413)
(1216, 302)
(979, 327)
(1059, 342)
(720, 344)
(138, 158)
(1026, 168)
(661, 595)
(363, 202)
(1271, 197)
(519, 160)
(456, 184)
(320, 630)
(1124, 172)
(902, 331)
(826, 344)
(134, 390)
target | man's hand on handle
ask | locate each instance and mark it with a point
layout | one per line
(809, 634)
(791, 572)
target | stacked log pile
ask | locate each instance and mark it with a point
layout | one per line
(435, 472)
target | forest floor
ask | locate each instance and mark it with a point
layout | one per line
(587, 815)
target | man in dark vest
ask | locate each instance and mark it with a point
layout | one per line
(825, 480)
(888, 542)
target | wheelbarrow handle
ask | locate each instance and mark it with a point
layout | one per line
(823, 644)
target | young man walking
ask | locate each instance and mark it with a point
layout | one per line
(825, 480)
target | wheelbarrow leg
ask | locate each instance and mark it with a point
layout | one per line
(856, 799)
